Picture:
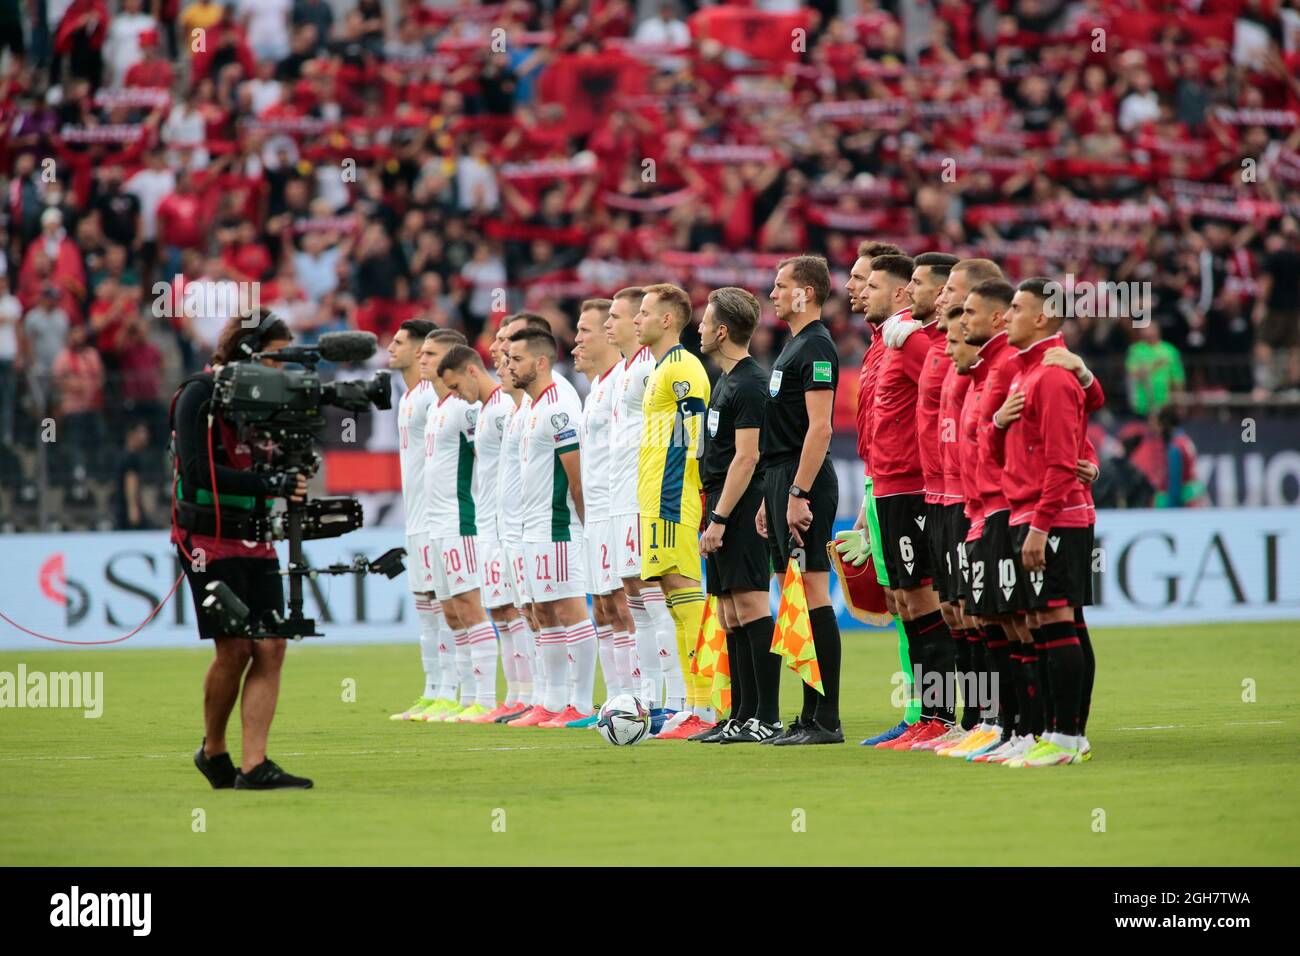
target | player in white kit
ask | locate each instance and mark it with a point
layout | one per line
(595, 357)
(656, 634)
(403, 353)
(510, 517)
(553, 540)
(462, 371)
(448, 480)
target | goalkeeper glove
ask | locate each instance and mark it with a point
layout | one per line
(896, 331)
(853, 546)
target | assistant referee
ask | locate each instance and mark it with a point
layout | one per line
(800, 490)
(736, 560)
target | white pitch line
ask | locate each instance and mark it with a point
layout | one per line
(1157, 727)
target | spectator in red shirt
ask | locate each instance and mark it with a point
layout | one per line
(151, 70)
(180, 223)
(79, 381)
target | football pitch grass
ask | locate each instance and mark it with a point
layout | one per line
(1185, 772)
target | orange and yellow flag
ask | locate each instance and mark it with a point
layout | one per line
(711, 660)
(722, 679)
(710, 642)
(793, 636)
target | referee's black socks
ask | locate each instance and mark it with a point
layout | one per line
(825, 709)
(767, 670)
(744, 693)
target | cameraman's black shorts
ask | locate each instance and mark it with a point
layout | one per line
(741, 564)
(255, 581)
(823, 500)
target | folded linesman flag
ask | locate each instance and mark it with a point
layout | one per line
(863, 596)
(711, 659)
(793, 636)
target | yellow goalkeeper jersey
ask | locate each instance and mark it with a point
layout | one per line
(668, 471)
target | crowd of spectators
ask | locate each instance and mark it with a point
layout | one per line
(355, 163)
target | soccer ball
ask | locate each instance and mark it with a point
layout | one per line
(624, 720)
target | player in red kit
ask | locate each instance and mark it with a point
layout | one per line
(1050, 513)
(899, 490)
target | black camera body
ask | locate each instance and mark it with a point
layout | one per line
(279, 413)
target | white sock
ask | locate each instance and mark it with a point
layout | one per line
(608, 667)
(706, 714)
(624, 651)
(464, 667)
(428, 646)
(580, 642)
(647, 651)
(523, 649)
(666, 639)
(539, 669)
(555, 658)
(508, 660)
(483, 663)
(446, 656)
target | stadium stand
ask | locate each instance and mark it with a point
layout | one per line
(357, 164)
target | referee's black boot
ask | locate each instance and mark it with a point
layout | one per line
(711, 734)
(817, 734)
(219, 769)
(753, 731)
(792, 734)
(268, 776)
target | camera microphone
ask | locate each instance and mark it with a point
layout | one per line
(348, 346)
(332, 347)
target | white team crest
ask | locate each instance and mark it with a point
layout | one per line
(920, 522)
(681, 389)
(774, 385)
(471, 416)
(1055, 542)
(559, 420)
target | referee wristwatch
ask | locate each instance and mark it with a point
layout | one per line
(715, 518)
(797, 492)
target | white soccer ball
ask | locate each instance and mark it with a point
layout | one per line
(624, 720)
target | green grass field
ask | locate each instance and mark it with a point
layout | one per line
(1212, 780)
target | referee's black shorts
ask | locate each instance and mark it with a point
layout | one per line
(255, 581)
(824, 500)
(741, 564)
(905, 529)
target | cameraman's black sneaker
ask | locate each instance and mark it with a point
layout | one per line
(815, 733)
(219, 769)
(796, 729)
(754, 731)
(267, 776)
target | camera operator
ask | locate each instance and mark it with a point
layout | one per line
(250, 568)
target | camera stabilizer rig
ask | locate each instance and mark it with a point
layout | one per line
(278, 414)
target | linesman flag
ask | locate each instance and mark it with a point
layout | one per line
(792, 638)
(711, 659)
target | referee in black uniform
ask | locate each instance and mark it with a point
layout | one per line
(800, 490)
(736, 561)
